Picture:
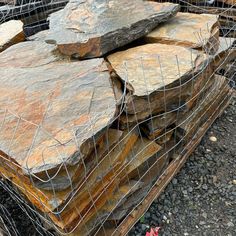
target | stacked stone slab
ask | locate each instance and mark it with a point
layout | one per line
(53, 118)
(189, 30)
(95, 119)
(225, 59)
(226, 9)
(11, 33)
(93, 35)
(227, 15)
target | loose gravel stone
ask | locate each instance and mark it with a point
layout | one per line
(213, 138)
(174, 181)
(204, 186)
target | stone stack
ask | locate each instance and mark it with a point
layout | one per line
(105, 106)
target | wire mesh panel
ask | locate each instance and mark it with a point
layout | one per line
(34, 14)
(99, 111)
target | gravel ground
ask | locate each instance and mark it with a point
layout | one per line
(16, 220)
(201, 199)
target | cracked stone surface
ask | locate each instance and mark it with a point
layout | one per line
(88, 29)
(53, 112)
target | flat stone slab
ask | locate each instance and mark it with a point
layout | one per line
(80, 171)
(199, 31)
(227, 12)
(229, 2)
(40, 36)
(153, 72)
(11, 32)
(88, 29)
(216, 97)
(29, 54)
(226, 44)
(225, 54)
(55, 111)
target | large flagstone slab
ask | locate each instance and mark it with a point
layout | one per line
(55, 110)
(158, 77)
(199, 31)
(88, 29)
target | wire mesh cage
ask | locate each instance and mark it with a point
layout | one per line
(34, 14)
(88, 143)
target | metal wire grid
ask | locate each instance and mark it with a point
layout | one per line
(33, 13)
(74, 189)
(7, 225)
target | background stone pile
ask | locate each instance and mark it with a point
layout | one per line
(105, 106)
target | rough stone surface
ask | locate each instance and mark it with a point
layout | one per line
(8, 2)
(77, 172)
(53, 112)
(40, 36)
(28, 54)
(11, 32)
(92, 28)
(225, 54)
(226, 44)
(151, 69)
(147, 68)
(189, 30)
(215, 97)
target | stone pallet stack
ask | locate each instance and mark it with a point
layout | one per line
(105, 106)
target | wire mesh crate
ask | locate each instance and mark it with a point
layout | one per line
(87, 145)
